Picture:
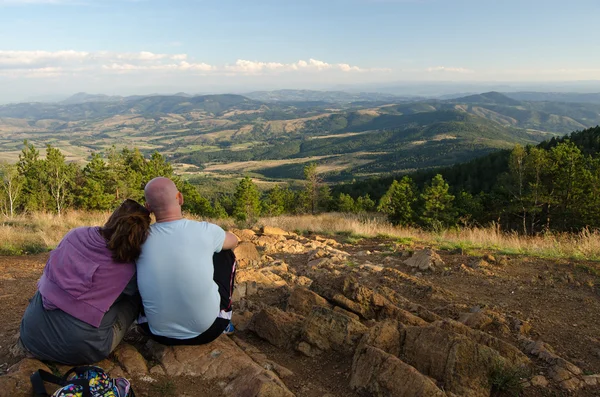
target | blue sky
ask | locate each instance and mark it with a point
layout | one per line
(121, 46)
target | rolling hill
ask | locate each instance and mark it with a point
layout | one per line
(348, 135)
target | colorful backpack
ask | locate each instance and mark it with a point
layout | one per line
(82, 382)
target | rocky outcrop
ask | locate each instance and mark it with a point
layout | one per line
(426, 259)
(223, 363)
(281, 329)
(377, 373)
(326, 329)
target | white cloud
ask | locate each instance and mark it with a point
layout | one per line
(82, 63)
(448, 69)
(314, 65)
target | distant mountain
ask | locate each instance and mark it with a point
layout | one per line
(82, 97)
(488, 98)
(323, 96)
(555, 97)
(111, 106)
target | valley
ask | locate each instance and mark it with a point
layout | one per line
(274, 136)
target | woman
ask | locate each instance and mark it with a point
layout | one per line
(87, 296)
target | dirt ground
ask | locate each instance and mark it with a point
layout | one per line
(558, 298)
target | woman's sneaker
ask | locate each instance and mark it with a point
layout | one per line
(230, 329)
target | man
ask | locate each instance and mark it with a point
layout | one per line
(185, 272)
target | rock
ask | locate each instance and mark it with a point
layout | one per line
(302, 300)
(246, 255)
(261, 359)
(157, 370)
(16, 383)
(462, 365)
(327, 329)
(506, 350)
(280, 328)
(131, 360)
(221, 363)
(346, 313)
(477, 320)
(266, 241)
(426, 259)
(241, 320)
(245, 234)
(489, 258)
(377, 373)
(256, 279)
(304, 281)
(387, 336)
(539, 381)
(273, 231)
(591, 380)
(307, 349)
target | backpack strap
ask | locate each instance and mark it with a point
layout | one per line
(80, 371)
(37, 381)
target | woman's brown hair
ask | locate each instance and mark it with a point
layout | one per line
(126, 230)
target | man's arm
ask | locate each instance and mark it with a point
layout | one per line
(231, 241)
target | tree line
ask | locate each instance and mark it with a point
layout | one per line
(51, 184)
(552, 186)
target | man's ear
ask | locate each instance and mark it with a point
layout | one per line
(180, 197)
(148, 207)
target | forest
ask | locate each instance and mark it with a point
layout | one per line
(554, 186)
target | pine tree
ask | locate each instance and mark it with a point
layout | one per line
(437, 204)
(246, 201)
(365, 204)
(345, 203)
(398, 202)
(35, 196)
(274, 203)
(93, 193)
(311, 190)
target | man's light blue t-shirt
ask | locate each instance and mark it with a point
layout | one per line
(175, 277)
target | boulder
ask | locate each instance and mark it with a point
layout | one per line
(326, 329)
(246, 255)
(386, 335)
(131, 360)
(273, 231)
(302, 300)
(462, 365)
(426, 259)
(244, 234)
(222, 363)
(377, 373)
(16, 382)
(281, 329)
(255, 280)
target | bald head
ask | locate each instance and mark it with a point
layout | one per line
(163, 198)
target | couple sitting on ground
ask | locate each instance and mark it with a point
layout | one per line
(97, 278)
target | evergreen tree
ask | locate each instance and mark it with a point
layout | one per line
(274, 202)
(31, 168)
(311, 190)
(246, 201)
(93, 192)
(365, 204)
(437, 204)
(345, 203)
(398, 202)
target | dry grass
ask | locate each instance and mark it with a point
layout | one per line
(583, 245)
(41, 232)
